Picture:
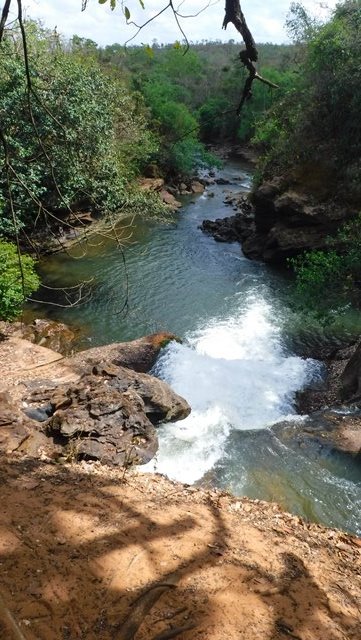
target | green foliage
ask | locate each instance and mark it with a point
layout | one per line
(317, 121)
(13, 288)
(193, 98)
(79, 142)
(168, 90)
(331, 278)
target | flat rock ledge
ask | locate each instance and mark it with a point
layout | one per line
(85, 407)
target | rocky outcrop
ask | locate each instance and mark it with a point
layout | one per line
(232, 228)
(324, 432)
(288, 222)
(157, 185)
(109, 415)
(168, 198)
(279, 221)
(56, 336)
(92, 408)
(48, 333)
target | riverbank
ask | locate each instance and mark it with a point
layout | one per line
(94, 551)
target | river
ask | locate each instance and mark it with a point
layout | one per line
(236, 367)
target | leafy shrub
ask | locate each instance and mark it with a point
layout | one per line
(331, 278)
(82, 141)
(15, 283)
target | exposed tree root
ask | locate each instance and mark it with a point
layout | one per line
(141, 607)
(10, 621)
(173, 633)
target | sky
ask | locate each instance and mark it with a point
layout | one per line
(265, 18)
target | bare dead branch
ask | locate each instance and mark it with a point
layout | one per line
(4, 17)
(10, 620)
(248, 56)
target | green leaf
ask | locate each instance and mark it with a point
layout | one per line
(102, 1)
(113, 4)
(149, 51)
(177, 45)
(127, 13)
(141, 4)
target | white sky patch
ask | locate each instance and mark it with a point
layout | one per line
(265, 19)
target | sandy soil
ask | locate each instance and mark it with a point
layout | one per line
(22, 361)
(91, 553)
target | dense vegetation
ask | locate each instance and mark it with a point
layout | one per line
(316, 126)
(314, 133)
(194, 96)
(74, 139)
(17, 280)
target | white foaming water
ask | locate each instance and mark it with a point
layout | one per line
(234, 375)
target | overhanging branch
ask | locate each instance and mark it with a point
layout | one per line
(234, 14)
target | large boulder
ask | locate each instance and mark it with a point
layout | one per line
(151, 184)
(197, 187)
(86, 406)
(168, 198)
(108, 415)
(50, 334)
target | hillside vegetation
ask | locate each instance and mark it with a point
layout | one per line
(313, 137)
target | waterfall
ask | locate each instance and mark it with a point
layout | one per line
(236, 376)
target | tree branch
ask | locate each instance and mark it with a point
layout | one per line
(249, 55)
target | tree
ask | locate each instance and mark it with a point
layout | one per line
(17, 280)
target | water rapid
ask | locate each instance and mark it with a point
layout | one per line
(236, 376)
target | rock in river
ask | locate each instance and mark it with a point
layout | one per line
(109, 414)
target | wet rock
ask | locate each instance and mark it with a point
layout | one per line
(222, 181)
(232, 228)
(151, 184)
(170, 200)
(222, 229)
(324, 431)
(197, 187)
(207, 181)
(139, 355)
